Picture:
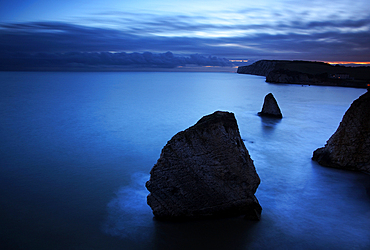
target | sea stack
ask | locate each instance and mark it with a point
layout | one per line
(349, 147)
(270, 107)
(205, 171)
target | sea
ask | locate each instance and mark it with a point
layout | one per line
(77, 148)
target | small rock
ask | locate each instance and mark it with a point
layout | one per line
(270, 107)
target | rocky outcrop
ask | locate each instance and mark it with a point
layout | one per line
(349, 146)
(205, 171)
(270, 107)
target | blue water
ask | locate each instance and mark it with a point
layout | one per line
(76, 150)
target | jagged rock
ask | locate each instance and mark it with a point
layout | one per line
(270, 107)
(205, 171)
(349, 146)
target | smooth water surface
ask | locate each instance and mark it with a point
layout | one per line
(77, 149)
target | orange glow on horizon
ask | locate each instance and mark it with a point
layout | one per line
(359, 63)
(238, 60)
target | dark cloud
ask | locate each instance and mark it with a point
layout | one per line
(328, 24)
(64, 44)
(103, 60)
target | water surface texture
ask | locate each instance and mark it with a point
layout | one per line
(76, 150)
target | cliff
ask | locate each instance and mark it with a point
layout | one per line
(349, 146)
(260, 68)
(205, 171)
(309, 73)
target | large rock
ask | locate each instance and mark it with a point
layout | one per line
(349, 146)
(205, 171)
(270, 107)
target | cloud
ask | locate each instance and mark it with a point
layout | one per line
(103, 60)
(111, 38)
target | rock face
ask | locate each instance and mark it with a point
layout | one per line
(295, 77)
(349, 146)
(270, 107)
(205, 171)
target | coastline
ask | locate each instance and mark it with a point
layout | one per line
(309, 73)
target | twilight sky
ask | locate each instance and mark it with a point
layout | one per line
(239, 29)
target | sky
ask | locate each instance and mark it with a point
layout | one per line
(330, 31)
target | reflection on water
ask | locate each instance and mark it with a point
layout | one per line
(269, 123)
(229, 233)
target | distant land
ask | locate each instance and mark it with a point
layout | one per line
(309, 73)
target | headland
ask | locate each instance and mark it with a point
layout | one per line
(309, 73)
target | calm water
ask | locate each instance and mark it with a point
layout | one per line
(77, 148)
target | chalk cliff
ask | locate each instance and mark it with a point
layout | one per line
(205, 171)
(270, 107)
(349, 146)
